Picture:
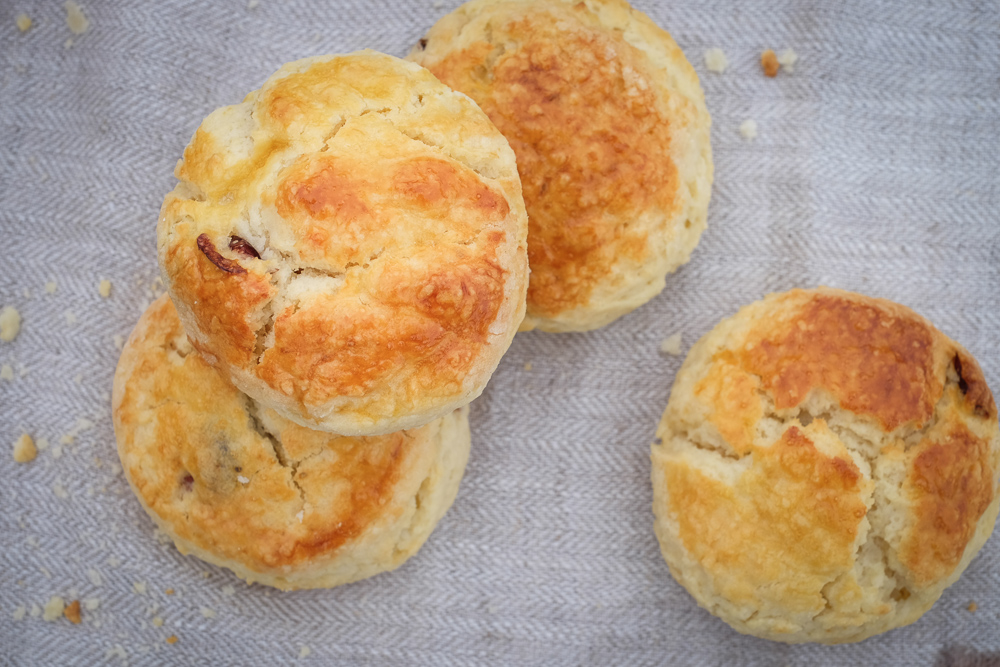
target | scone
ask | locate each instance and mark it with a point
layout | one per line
(827, 465)
(348, 245)
(609, 125)
(238, 486)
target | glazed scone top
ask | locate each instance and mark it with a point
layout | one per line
(241, 487)
(828, 465)
(348, 244)
(609, 125)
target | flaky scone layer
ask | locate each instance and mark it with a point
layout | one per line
(826, 466)
(348, 245)
(237, 485)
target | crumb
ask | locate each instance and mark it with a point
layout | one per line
(53, 608)
(527, 366)
(68, 44)
(769, 62)
(114, 562)
(70, 317)
(304, 651)
(72, 612)
(972, 606)
(23, 22)
(157, 622)
(60, 491)
(228, 589)
(139, 587)
(36, 611)
(169, 591)
(748, 129)
(104, 288)
(78, 378)
(787, 59)
(207, 613)
(23, 371)
(172, 639)
(716, 61)
(119, 342)
(116, 652)
(671, 345)
(90, 604)
(7, 372)
(252, 4)
(50, 287)
(438, 4)
(57, 451)
(77, 22)
(10, 323)
(19, 612)
(94, 576)
(43, 444)
(24, 449)
(242, 479)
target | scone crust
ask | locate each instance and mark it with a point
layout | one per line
(239, 486)
(609, 125)
(348, 244)
(826, 466)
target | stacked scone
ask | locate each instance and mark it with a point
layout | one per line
(345, 258)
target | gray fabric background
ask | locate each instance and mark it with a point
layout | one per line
(875, 170)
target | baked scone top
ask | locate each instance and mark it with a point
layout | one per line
(609, 125)
(348, 244)
(241, 487)
(827, 466)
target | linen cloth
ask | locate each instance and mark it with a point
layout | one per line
(875, 170)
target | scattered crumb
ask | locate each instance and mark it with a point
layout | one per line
(252, 4)
(228, 589)
(90, 604)
(24, 449)
(50, 287)
(157, 622)
(19, 612)
(116, 652)
(23, 22)
(43, 444)
(769, 62)
(304, 651)
(78, 378)
(716, 61)
(172, 639)
(139, 587)
(94, 576)
(527, 366)
(68, 44)
(23, 371)
(35, 610)
(671, 345)
(119, 342)
(60, 491)
(748, 129)
(70, 317)
(169, 591)
(104, 288)
(10, 323)
(972, 606)
(72, 612)
(77, 22)
(57, 451)
(53, 608)
(242, 479)
(207, 613)
(787, 59)
(114, 562)
(7, 372)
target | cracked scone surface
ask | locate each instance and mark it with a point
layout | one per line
(611, 132)
(826, 466)
(349, 244)
(239, 486)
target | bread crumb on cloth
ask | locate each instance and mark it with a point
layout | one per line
(716, 61)
(50, 287)
(6, 372)
(10, 323)
(72, 612)
(787, 59)
(972, 607)
(172, 639)
(24, 449)
(53, 608)
(304, 652)
(77, 22)
(672, 345)
(23, 22)
(770, 63)
(104, 288)
(748, 129)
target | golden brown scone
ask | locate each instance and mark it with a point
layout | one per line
(238, 486)
(826, 466)
(349, 244)
(609, 125)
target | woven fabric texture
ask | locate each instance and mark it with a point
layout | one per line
(875, 169)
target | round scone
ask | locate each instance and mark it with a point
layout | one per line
(277, 503)
(826, 466)
(609, 125)
(348, 245)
